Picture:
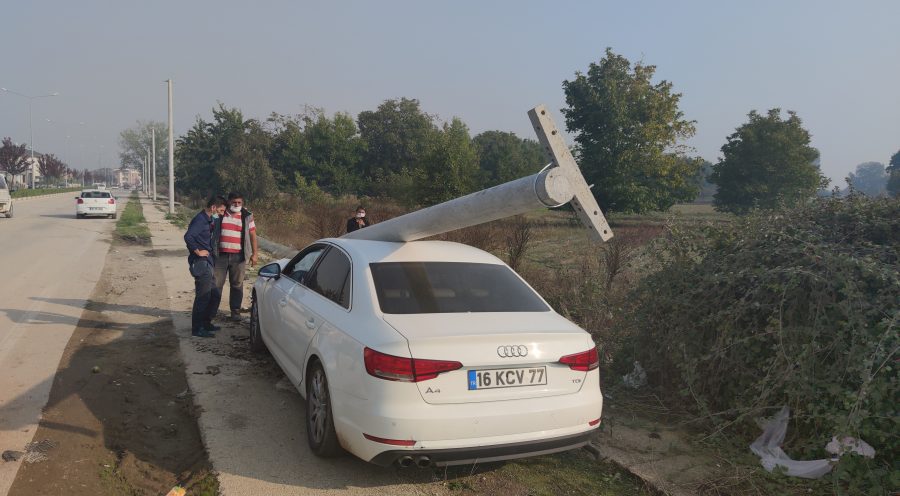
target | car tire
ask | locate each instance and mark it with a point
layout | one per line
(9, 214)
(257, 345)
(79, 216)
(113, 216)
(320, 431)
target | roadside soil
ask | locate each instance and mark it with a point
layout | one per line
(120, 418)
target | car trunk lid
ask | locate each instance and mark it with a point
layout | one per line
(504, 356)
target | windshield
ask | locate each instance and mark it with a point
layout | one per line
(95, 194)
(451, 287)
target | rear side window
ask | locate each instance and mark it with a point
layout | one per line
(2, 182)
(451, 287)
(331, 278)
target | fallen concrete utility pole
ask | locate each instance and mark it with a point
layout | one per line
(560, 183)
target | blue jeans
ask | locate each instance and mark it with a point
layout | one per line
(206, 295)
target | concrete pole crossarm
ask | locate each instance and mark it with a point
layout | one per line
(547, 188)
(584, 203)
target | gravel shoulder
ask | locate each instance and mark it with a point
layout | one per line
(120, 418)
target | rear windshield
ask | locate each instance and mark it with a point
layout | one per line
(451, 287)
(2, 182)
(95, 194)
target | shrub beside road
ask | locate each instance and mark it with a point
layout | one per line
(26, 193)
(131, 226)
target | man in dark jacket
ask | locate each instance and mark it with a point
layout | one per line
(200, 241)
(358, 221)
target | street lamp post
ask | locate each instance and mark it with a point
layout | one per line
(30, 126)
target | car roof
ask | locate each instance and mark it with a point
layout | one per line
(367, 251)
(94, 190)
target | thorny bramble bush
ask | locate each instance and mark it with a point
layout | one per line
(796, 308)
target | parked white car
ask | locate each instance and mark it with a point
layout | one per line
(424, 353)
(95, 202)
(6, 206)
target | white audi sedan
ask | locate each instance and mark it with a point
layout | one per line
(423, 353)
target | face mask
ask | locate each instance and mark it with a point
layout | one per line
(360, 215)
(234, 209)
(215, 216)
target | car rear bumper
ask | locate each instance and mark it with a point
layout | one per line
(5, 206)
(98, 210)
(485, 454)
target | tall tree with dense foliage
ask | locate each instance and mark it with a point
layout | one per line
(627, 134)
(504, 157)
(450, 168)
(228, 153)
(869, 179)
(893, 170)
(325, 152)
(13, 157)
(397, 135)
(767, 162)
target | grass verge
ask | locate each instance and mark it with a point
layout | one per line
(132, 227)
(25, 193)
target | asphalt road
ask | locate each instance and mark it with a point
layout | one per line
(48, 261)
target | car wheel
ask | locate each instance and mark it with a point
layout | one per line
(10, 213)
(113, 216)
(257, 345)
(79, 216)
(320, 431)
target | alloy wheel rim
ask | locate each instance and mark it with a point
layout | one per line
(318, 412)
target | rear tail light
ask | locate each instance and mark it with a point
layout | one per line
(112, 201)
(394, 368)
(584, 361)
(79, 201)
(594, 422)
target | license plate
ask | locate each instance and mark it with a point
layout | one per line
(505, 378)
(95, 208)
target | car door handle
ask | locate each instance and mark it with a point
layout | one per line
(283, 302)
(311, 323)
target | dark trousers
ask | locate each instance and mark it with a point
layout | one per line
(206, 295)
(232, 266)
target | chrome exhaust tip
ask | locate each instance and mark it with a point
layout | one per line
(405, 461)
(423, 462)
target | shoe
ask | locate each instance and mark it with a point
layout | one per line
(202, 333)
(209, 326)
(236, 316)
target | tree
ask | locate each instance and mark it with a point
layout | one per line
(450, 168)
(397, 135)
(503, 157)
(325, 152)
(767, 162)
(136, 141)
(51, 167)
(869, 179)
(13, 158)
(627, 133)
(893, 170)
(227, 154)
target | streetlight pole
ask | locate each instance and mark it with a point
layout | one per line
(30, 125)
(153, 159)
(171, 154)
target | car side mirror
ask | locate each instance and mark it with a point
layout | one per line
(271, 271)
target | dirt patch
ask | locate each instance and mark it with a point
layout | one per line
(120, 418)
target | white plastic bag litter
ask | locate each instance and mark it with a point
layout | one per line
(636, 378)
(768, 448)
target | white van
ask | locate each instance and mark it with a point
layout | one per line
(6, 206)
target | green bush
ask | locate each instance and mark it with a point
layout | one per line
(796, 308)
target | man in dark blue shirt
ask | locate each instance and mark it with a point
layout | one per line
(200, 242)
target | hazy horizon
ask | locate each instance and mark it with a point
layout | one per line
(486, 63)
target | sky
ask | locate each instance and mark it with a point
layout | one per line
(837, 64)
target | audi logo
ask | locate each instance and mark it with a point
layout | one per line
(512, 351)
